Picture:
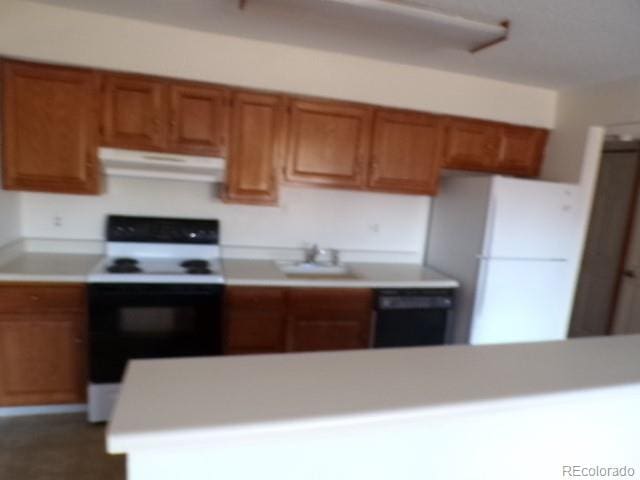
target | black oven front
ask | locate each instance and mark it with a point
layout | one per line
(133, 321)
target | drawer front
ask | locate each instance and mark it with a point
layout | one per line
(18, 298)
(270, 299)
(339, 301)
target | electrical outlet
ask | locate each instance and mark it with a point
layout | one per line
(57, 221)
(374, 227)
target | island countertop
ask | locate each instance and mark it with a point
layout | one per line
(177, 401)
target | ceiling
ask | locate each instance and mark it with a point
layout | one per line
(554, 43)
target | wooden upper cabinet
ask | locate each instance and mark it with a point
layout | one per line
(329, 143)
(50, 128)
(471, 144)
(256, 149)
(134, 112)
(521, 150)
(406, 152)
(198, 119)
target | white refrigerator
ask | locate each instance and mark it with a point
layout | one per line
(511, 244)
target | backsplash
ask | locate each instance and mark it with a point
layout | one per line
(352, 221)
(9, 216)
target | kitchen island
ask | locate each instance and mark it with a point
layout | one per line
(526, 411)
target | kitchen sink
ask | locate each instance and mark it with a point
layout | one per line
(317, 270)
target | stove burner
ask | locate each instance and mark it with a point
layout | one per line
(124, 265)
(124, 268)
(198, 270)
(125, 261)
(196, 264)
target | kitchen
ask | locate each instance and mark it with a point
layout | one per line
(361, 219)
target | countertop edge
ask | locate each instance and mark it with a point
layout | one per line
(129, 442)
(444, 284)
(30, 277)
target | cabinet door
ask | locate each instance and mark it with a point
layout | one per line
(406, 152)
(42, 358)
(521, 150)
(471, 144)
(257, 142)
(50, 128)
(255, 320)
(134, 112)
(329, 143)
(198, 119)
(329, 319)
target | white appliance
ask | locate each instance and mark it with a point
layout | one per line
(510, 243)
(140, 164)
(156, 294)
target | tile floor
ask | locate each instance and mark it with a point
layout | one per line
(55, 447)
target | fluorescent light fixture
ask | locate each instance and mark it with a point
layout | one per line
(478, 35)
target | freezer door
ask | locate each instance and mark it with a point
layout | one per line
(531, 219)
(521, 301)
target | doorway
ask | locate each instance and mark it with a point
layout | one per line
(608, 294)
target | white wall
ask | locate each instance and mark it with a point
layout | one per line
(598, 105)
(334, 218)
(37, 31)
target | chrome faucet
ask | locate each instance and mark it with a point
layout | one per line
(312, 253)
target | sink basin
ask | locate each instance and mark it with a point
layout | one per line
(319, 270)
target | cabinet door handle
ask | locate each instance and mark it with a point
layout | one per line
(34, 298)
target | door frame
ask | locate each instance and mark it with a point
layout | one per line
(628, 233)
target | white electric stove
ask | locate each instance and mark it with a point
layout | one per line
(156, 294)
(159, 263)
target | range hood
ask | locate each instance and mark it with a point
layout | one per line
(139, 164)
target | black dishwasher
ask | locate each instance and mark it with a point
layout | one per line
(413, 317)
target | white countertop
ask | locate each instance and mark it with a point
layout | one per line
(177, 401)
(26, 266)
(48, 267)
(365, 275)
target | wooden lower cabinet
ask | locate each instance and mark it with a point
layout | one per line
(329, 319)
(267, 320)
(42, 345)
(255, 320)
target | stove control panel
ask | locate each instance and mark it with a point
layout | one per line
(121, 228)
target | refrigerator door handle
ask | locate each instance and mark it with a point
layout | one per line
(478, 306)
(489, 226)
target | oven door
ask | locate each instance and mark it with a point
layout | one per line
(130, 321)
